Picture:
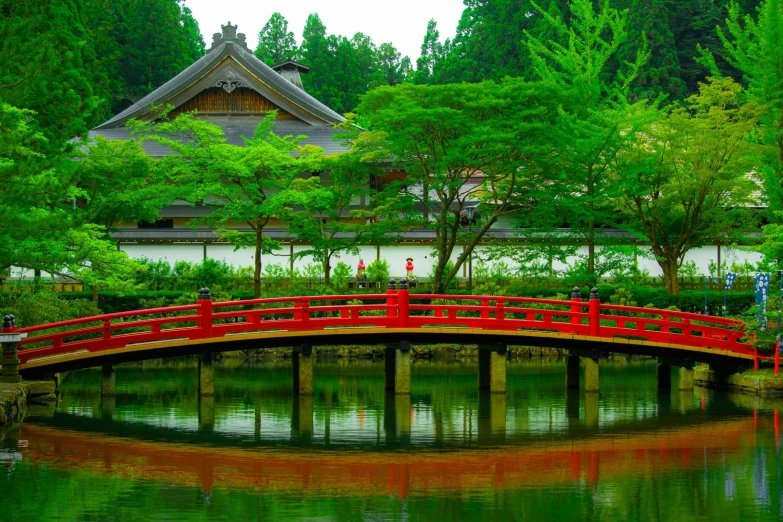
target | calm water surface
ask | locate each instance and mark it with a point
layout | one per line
(351, 452)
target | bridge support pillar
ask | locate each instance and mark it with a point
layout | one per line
(492, 367)
(303, 370)
(206, 374)
(302, 418)
(108, 407)
(206, 413)
(572, 371)
(397, 419)
(663, 376)
(108, 381)
(491, 416)
(397, 362)
(591, 374)
(686, 379)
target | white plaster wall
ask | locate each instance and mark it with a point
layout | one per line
(394, 255)
(171, 253)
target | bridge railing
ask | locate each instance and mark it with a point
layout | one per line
(395, 309)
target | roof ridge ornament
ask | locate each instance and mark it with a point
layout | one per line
(229, 34)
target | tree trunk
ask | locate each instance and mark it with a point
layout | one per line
(327, 267)
(257, 263)
(94, 289)
(670, 269)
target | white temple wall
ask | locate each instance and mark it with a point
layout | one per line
(395, 256)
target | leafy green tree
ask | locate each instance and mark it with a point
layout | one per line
(119, 182)
(460, 145)
(688, 178)
(754, 46)
(393, 68)
(335, 212)
(275, 42)
(595, 121)
(239, 184)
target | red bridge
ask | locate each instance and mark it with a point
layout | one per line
(395, 319)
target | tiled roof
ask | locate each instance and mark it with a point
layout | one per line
(290, 97)
(237, 127)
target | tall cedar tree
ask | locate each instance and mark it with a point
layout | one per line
(457, 144)
(276, 43)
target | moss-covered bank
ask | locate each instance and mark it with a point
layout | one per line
(762, 382)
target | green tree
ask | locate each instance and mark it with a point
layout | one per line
(754, 46)
(119, 182)
(688, 178)
(595, 121)
(43, 56)
(432, 53)
(335, 212)
(239, 184)
(460, 145)
(649, 21)
(276, 43)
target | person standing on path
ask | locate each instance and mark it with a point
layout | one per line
(409, 268)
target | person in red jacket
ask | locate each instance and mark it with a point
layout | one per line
(409, 268)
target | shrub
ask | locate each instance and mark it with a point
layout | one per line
(341, 274)
(378, 271)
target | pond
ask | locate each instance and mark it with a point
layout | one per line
(351, 452)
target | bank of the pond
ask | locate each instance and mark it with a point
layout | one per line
(762, 382)
(444, 350)
(16, 399)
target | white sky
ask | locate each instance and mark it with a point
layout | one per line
(402, 22)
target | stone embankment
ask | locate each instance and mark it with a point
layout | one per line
(761, 383)
(17, 399)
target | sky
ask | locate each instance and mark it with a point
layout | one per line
(402, 22)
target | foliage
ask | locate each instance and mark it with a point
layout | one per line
(44, 306)
(240, 184)
(688, 179)
(276, 43)
(341, 275)
(378, 271)
(323, 215)
(458, 144)
(595, 121)
(119, 182)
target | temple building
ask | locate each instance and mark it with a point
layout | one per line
(232, 88)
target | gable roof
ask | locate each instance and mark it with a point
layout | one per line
(230, 64)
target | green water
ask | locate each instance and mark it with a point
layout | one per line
(447, 452)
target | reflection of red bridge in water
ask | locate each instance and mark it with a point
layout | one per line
(362, 472)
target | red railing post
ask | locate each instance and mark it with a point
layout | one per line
(576, 297)
(403, 303)
(501, 313)
(391, 292)
(106, 329)
(305, 311)
(205, 313)
(595, 313)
